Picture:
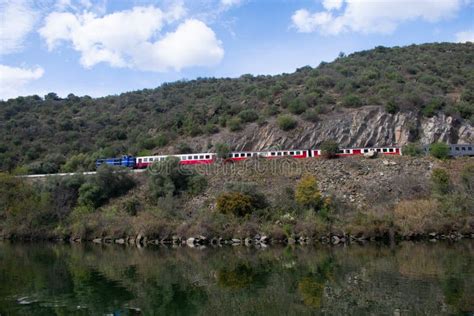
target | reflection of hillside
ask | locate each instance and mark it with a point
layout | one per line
(414, 278)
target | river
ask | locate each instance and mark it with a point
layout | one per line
(89, 279)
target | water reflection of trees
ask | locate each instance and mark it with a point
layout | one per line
(90, 279)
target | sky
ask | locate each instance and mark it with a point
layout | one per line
(100, 47)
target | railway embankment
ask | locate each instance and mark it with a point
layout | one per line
(257, 201)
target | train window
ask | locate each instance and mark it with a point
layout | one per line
(151, 159)
(145, 159)
(366, 150)
(273, 154)
(139, 160)
(457, 148)
(298, 152)
(348, 151)
(279, 153)
(469, 148)
(390, 150)
(207, 157)
(249, 155)
(463, 148)
(385, 150)
(196, 157)
(242, 155)
(292, 153)
(201, 157)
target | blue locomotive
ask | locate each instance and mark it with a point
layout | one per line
(124, 161)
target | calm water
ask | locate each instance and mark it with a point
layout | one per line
(88, 279)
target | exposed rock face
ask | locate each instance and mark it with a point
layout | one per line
(366, 126)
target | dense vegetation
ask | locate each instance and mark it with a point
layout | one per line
(173, 200)
(43, 135)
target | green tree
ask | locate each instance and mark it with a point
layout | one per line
(439, 150)
(329, 149)
(412, 149)
(286, 122)
(248, 116)
(352, 101)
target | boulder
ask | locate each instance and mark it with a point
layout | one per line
(120, 241)
(190, 242)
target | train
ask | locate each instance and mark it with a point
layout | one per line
(143, 162)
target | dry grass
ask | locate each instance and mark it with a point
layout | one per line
(417, 216)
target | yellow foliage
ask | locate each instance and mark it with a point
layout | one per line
(307, 193)
(235, 203)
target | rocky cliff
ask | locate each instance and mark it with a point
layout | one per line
(366, 126)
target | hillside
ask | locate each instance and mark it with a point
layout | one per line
(382, 96)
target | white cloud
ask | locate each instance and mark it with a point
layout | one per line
(132, 38)
(192, 44)
(14, 79)
(366, 16)
(465, 36)
(230, 3)
(332, 4)
(17, 19)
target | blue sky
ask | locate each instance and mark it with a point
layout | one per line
(109, 47)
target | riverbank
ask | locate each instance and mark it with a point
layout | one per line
(252, 202)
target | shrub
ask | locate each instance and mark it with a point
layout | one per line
(329, 149)
(211, 129)
(248, 116)
(235, 203)
(441, 183)
(222, 150)
(467, 178)
(311, 116)
(307, 193)
(259, 200)
(286, 122)
(297, 106)
(439, 150)
(352, 101)
(391, 107)
(107, 183)
(234, 124)
(413, 150)
(169, 179)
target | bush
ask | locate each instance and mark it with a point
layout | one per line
(413, 150)
(222, 150)
(286, 122)
(234, 124)
(297, 106)
(467, 178)
(441, 183)
(248, 116)
(259, 200)
(311, 116)
(391, 107)
(307, 193)
(352, 101)
(329, 149)
(439, 150)
(169, 179)
(235, 203)
(107, 183)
